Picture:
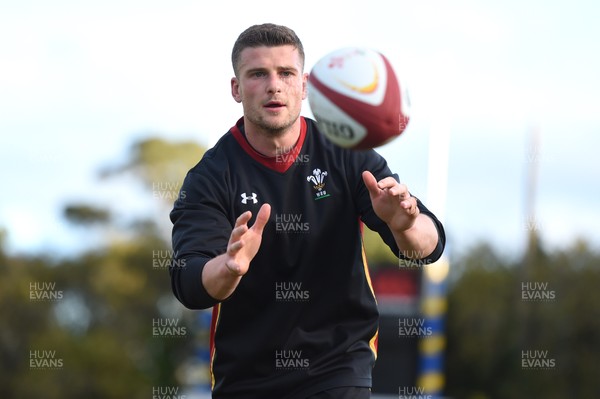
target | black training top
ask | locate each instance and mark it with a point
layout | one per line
(304, 318)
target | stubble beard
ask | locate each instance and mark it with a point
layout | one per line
(274, 129)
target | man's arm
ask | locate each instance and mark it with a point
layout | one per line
(415, 233)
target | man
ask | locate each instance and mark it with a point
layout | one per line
(269, 231)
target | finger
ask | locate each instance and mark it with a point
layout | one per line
(243, 219)
(235, 247)
(237, 233)
(371, 183)
(408, 202)
(262, 218)
(410, 205)
(415, 211)
(387, 182)
(401, 191)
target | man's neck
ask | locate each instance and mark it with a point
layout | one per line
(271, 145)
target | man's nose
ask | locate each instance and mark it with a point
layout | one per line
(273, 83)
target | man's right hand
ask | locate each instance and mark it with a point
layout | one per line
(244, 242)
(222, 274)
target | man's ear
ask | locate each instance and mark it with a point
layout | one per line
(235, 90)
(304, 85)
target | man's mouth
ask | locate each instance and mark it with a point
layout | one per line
(274, 104)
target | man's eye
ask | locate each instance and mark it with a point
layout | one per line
(259, 74)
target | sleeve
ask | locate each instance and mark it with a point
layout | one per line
(201, 231)
(370, 160)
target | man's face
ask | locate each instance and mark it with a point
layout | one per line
(271, 86)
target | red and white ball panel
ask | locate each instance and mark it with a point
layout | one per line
(356, 98)
(336, 124)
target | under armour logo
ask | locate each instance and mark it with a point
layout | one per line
(245, 198)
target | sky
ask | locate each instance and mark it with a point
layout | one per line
(80, 81)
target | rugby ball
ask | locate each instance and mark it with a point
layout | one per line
(356, 98)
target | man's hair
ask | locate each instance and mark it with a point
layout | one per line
(269, 35)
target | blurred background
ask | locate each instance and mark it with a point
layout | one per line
(104, 106)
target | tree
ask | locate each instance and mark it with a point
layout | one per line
(103, 324)
(523, 337)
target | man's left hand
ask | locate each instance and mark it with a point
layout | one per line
(392, 202)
